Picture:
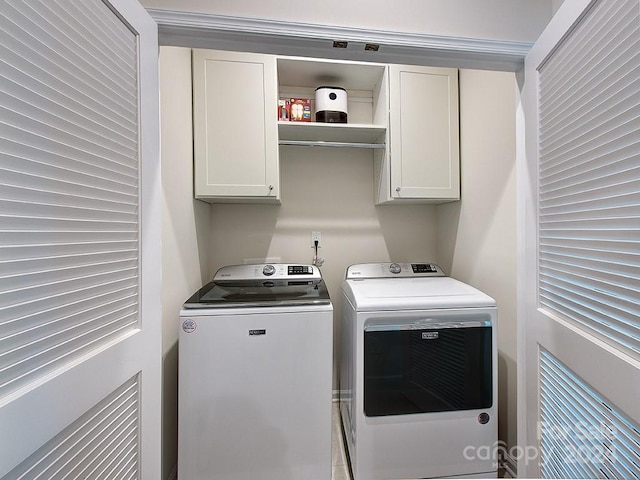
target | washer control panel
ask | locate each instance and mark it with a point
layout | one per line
(269, 270)
(387, 270)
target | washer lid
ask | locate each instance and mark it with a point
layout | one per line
(264, 285)
(422, 293)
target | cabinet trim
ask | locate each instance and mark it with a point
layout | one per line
(204, 30)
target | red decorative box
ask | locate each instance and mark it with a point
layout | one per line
(300, 109)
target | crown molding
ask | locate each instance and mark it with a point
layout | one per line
(203, 30)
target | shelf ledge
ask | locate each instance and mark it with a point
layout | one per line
(322, 143)
(334, 133)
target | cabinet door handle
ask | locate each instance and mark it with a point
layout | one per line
(270, 189)
(398, 189)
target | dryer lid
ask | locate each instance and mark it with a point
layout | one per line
(384, 294)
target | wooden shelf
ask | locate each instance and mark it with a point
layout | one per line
(331, 134)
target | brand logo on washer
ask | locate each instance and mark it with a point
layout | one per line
(257, 332)
(189, 326)
(430, 335)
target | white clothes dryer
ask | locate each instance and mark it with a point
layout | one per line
(255, 376)
(418, 374)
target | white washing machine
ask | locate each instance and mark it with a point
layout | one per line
(418, 374)
(255, 376)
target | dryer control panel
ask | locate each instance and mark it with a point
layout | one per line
(394, 270)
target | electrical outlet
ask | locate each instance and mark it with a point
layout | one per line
(315, 237)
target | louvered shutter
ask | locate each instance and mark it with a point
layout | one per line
(589, 176)
(582, 435)
(79, 197)
(101, 444)
(68, 186)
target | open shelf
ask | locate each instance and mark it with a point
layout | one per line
(316, 72)
(331, 134)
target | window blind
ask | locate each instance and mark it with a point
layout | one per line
(582, 434)
(589, 175)
(68, 185)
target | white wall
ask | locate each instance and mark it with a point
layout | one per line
(328, 190)
(514, 20)
(477, 236)
(469, 237)
(556, 5)
(185, 227)
(331, 191)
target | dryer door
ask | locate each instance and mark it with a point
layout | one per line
(428, 365)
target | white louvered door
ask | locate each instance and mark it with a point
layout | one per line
(79, 241)
(579, 188)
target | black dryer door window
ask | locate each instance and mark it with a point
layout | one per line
(409, 371)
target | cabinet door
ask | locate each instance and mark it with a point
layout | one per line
(424, 133)
(235, 126)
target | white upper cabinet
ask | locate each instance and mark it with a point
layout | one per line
(407, 115)
(422, 161)
(235, 127)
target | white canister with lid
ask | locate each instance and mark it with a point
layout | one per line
(331, 105)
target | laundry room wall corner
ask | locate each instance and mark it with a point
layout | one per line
(477, 236)
(184, 230)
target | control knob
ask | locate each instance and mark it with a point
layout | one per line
(268, 270)
(395, 268)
